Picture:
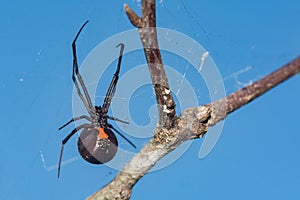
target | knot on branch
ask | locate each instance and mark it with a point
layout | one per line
(194, 121)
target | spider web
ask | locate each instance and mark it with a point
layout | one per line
(198, 31)
(235, 75)
(36, 87)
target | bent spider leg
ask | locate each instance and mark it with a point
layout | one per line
(87, 107)
(116, 119)
(87, 103)
(111, 126)
(75, 119)
(112, 87)
(66, 140)
(120, 57)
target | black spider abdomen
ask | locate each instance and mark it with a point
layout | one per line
(97, 150)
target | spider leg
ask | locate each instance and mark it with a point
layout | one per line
(112, 87)
(116, 119)
(66, 140)
(120, 57)
(87, 103)
(111, 126)
(75, 119)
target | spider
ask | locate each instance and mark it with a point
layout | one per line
(97, 144)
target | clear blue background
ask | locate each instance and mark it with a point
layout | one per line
(257, 156)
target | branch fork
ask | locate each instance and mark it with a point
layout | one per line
(192, 123)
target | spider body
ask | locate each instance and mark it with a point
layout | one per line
(97, 144)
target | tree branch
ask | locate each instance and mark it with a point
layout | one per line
(243, 96)
(192, 123)
(148, 35)
(133, 17)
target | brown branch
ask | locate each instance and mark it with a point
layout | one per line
(243, 96)
(148, 35)
(192, 123)
(133, 17)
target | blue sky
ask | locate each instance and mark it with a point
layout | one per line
(257, 155)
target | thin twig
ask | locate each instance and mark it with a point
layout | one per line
(133, 17)
(243, 96)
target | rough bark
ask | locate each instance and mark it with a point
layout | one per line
(192, 123)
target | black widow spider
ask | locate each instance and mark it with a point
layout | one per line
(97, 144)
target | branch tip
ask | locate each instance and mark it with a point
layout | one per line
(133, 17)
